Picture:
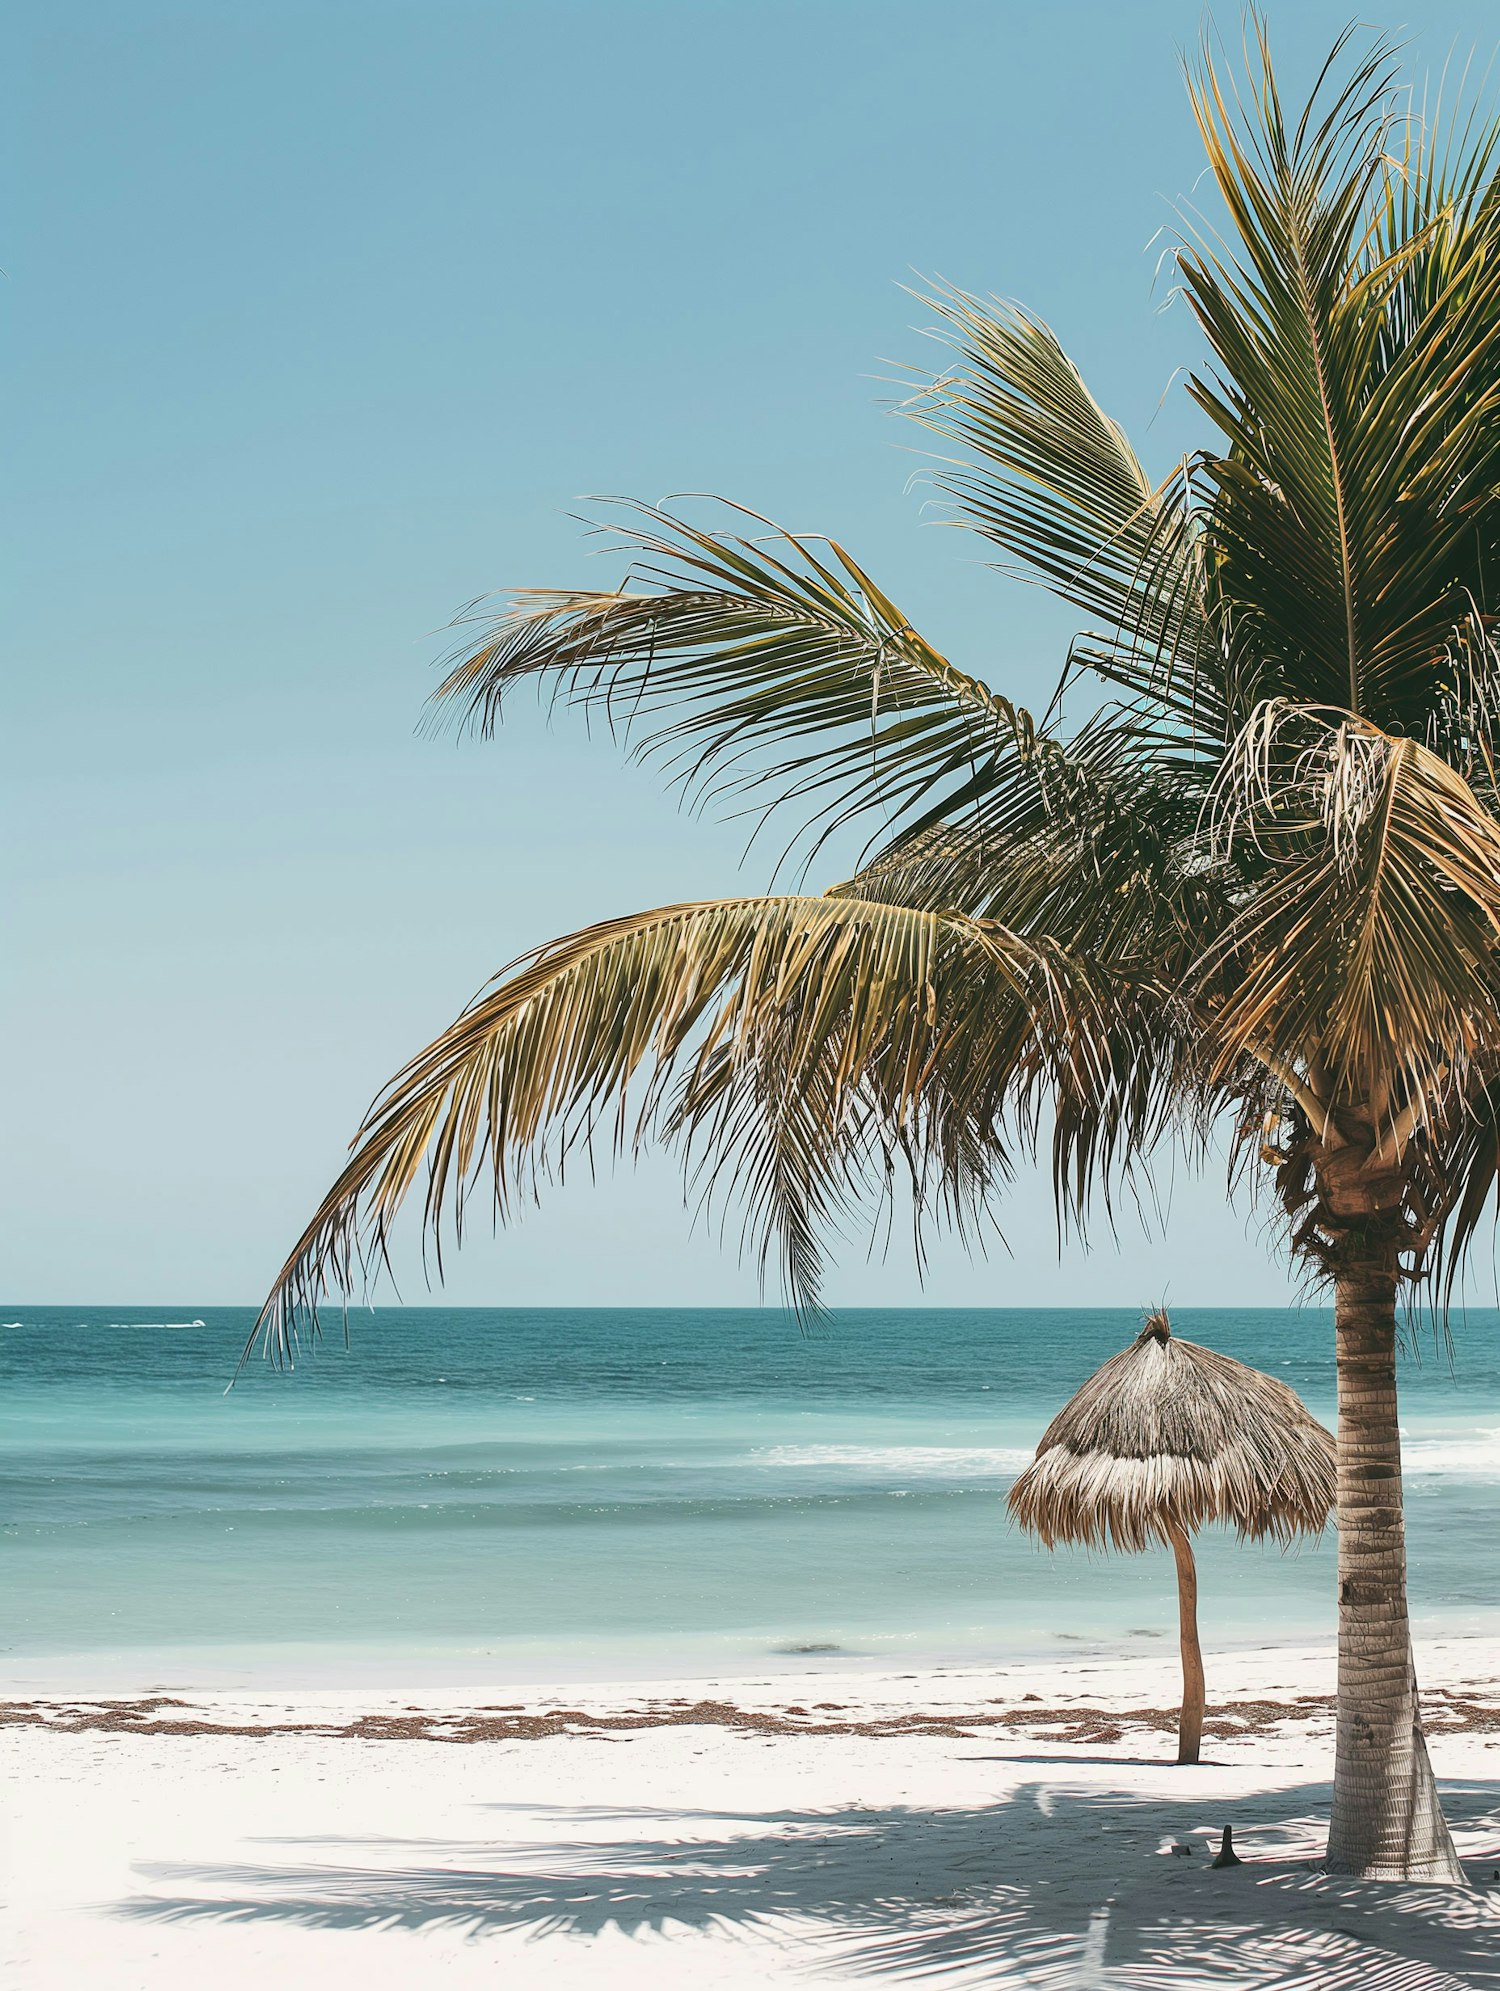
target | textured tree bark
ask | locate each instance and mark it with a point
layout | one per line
(1387, 1822)
(1190, 1726)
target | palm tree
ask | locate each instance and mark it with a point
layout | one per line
(1257, 889)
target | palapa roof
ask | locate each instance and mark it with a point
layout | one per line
(1170, 1435)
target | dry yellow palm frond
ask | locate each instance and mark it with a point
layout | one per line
(1371, 946)
(811, 1031)
(721, 654)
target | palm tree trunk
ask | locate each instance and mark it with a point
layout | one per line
(1190, 1725)
(1387, 1823)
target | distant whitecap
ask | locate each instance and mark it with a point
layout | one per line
(156, 1323)
(905, 1461)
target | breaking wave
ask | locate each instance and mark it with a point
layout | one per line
(1475, 1456)
(905, 1461)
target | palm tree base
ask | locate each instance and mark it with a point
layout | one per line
(1390, 1824)
(1387, 1821)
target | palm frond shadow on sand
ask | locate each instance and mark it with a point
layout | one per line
(1050, 1887)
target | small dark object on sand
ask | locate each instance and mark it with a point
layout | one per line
(1226, 1855)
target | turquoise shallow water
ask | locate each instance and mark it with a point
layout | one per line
(572, 1494)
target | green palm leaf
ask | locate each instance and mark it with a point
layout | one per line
(719, 647)
(1355, 328)
(1053, 482)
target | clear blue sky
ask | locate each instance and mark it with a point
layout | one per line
(321, 317)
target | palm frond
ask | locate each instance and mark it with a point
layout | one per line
(1355, 325)
(1460, 1160)
(1372, 945)
(805, 1033)
(1053, 482)
(1097, 844)
(770, 668)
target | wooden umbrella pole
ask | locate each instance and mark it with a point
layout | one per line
(1190, 1728)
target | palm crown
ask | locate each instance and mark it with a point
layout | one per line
(1261, 880)
(1258, 886)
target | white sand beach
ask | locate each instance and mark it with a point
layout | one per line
(822, 1828)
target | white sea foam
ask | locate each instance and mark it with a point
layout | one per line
(904, 1461)
(156, 1323)
(1476, 1455)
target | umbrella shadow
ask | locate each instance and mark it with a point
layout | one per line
(1053, 1885)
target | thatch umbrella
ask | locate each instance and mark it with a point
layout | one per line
(1166, 1436)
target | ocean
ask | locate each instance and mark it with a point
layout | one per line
(552, 1495)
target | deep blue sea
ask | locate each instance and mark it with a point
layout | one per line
(525, 1495)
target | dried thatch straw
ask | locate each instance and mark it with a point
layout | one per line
(1168, 1435)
